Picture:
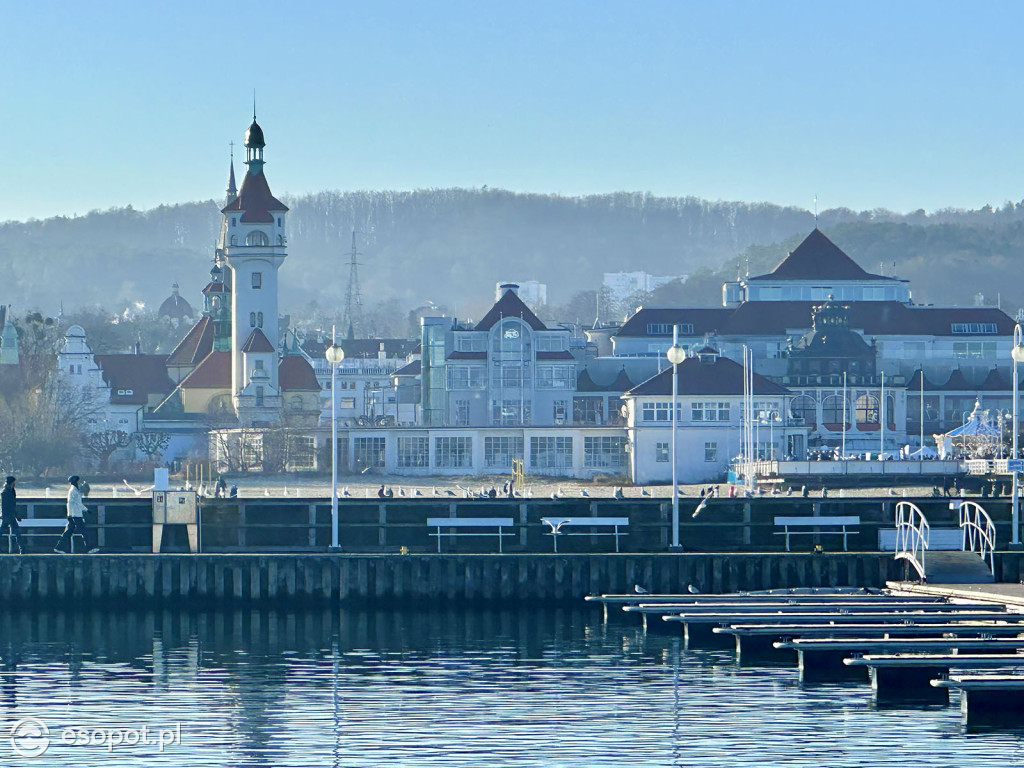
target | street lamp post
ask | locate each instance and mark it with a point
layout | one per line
(675, 355)
(1017, 353)
(334, 355)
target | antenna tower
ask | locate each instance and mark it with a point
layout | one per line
(353, 318)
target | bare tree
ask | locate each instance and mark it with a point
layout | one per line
(101, 445)
(152, 443)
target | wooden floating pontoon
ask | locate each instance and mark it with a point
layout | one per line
(905, 678)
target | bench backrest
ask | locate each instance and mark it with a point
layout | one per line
(470, 522)
(811, 520)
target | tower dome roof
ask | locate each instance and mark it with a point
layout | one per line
(174, 306)
(254, 136)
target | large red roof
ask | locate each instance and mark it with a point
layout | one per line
(255, 200)
(196, 345)
(214, 372)
(295, 373)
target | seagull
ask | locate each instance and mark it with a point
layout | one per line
(644, 492)
(584, 494)
(345, 492)
(449, 491)
(435, 491)
(136, 491)
(418, 492)
(892, 491)
(640, 590)
(266, 491)
(692, 589)
(401, 491)
(554, 496)
(619, 494)
(789, 491)
(703, 503)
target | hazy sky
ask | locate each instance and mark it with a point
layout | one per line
(902, 105)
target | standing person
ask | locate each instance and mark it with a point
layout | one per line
(76, 519)
(9, 513)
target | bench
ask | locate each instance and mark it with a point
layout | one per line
(470, 522)
(557, 523)
(840, 521)
(46, 525)
(939, 539)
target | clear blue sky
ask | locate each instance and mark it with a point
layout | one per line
(902, 105)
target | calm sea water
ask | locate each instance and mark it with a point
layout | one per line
(422, 688)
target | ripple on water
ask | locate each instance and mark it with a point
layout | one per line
(453, 688)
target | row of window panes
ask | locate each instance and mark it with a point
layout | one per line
(556, 376)
(663, 452)
(974, 350)
(974, 328)
(604, 451)
(551, 452)
(467, 377)
(709, 411)
(665, 329)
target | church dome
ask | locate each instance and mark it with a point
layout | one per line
(174, 306)
(254, 136)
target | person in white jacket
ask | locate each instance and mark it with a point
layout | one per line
(76, 519)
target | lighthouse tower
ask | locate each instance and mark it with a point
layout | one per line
(253, 227)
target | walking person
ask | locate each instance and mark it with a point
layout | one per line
(76, 519)
(9, 514)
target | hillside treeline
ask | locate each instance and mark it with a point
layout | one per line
(450, 246)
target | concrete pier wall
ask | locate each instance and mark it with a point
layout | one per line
(148, 580)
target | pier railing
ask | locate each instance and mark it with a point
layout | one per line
(979, 532)
(912, 532)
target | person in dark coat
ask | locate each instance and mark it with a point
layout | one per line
(9, 513)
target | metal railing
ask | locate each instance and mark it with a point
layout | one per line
(979, 533)
(912, 533)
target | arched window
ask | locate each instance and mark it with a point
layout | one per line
(867, 412)
(256, 237)
(804, 407)
(832, 412)
(259, 319)
(295, 402)
(234, 240)
(252, 319)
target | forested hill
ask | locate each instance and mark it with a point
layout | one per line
(450, 246)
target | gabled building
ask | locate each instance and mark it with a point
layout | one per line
(508, 369)
(709, 430)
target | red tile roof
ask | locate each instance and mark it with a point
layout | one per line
(142, 375)
(721, 377)
(257, 342)
(818, 258)
(295, 373)
(214, 372)
(255, 200)
(196, 345)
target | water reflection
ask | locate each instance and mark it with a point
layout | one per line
(549, 687)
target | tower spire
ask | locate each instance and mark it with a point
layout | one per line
(232, 190)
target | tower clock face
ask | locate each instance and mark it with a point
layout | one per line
(511, 333)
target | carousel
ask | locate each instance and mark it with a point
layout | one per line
(980, 437)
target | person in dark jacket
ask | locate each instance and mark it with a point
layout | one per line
(9, 514)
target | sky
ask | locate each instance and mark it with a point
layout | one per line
(863, 104)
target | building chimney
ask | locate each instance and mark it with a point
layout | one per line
(503, 288)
